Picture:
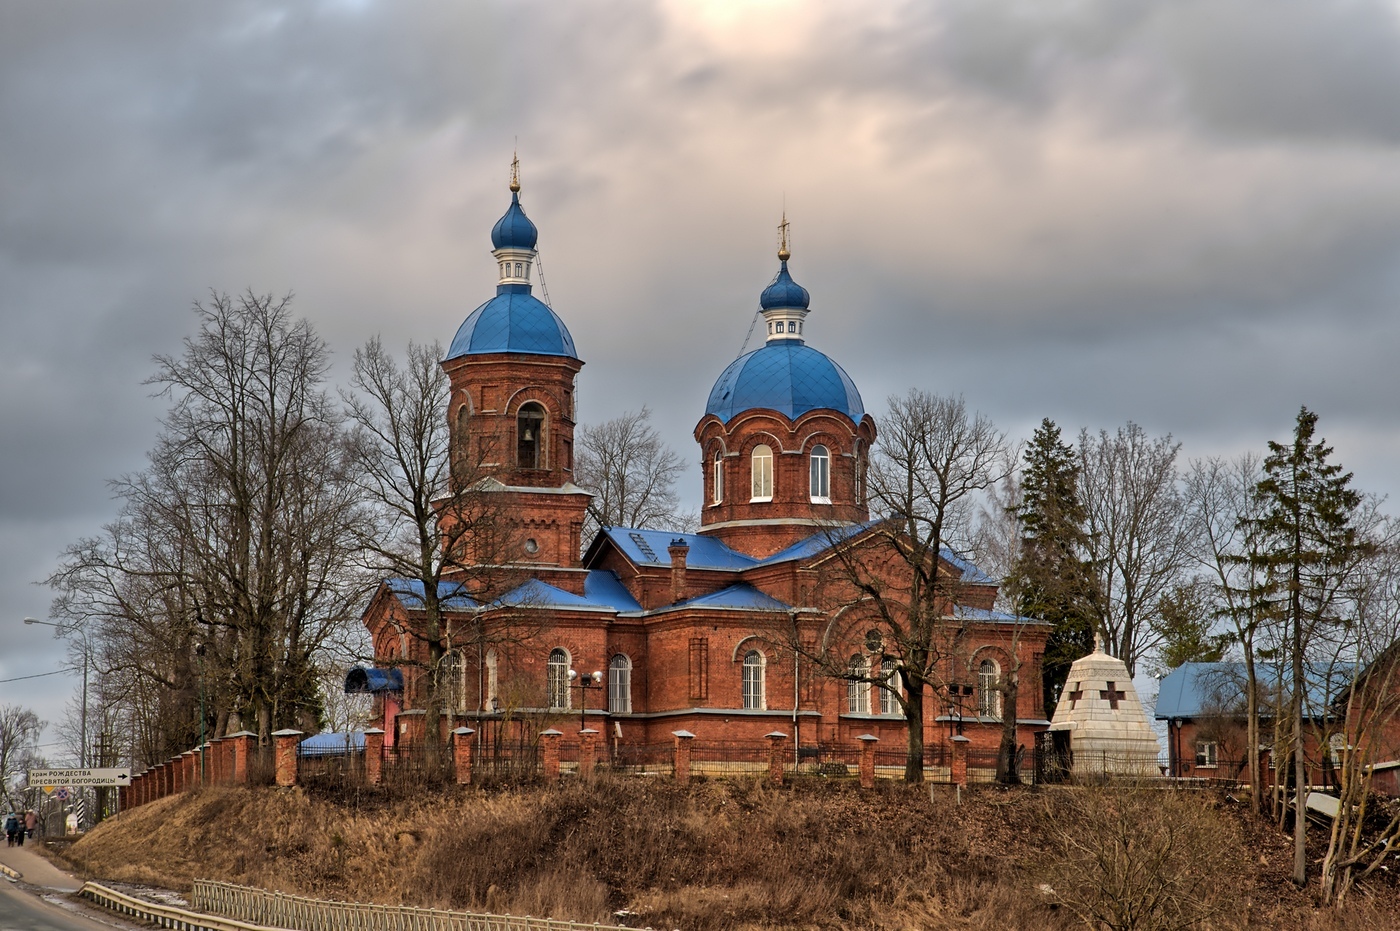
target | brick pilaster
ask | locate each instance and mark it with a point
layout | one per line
(462, 754)
(959, 774)
(867, 760)
(550, 753)
(681, 763)
(286, 748)
(775, 756)
(374, 756)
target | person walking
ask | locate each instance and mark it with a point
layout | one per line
(11, 828)
(31, 821)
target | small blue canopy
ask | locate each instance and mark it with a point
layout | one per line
(369, 679)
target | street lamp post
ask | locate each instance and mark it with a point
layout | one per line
(583, 684)
(82, 725)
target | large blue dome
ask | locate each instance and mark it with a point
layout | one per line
(787, 376)
(513, 321)
(514, 230)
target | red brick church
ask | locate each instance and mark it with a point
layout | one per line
(642, 633)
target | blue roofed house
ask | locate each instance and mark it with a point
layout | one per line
(679, 627)
(1203, 706)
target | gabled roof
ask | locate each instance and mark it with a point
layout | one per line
(819, 542)
(603, 588)
(743, 597)
(1194, 690)
(451, 595)
(649, 548)
(361, 679)
(537, 594)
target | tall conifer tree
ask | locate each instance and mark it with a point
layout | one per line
(1052, 580)
(1312, 541)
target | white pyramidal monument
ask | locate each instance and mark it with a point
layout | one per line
(1101, 721)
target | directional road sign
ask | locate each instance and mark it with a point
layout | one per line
(110, 776)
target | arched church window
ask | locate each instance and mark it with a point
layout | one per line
(858, 692)
(557, 678)
(529, 430)
(988, 697)
(889, 691)
(792, 326)
(452, 681)
(821, 475)
(717, 480)
(859, 486)
(762, 473)
(620, 685)
(753, 681)
(519, 270)
(492, 680)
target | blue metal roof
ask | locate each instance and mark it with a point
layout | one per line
(784, 293)
(649, 547)
(451, 595)
(787, 376)
(1194, 690)
(819, 542)
(513, 321)
(536, 594)
(362, 679)
(331, 744)
(603, 588)
(514, 230)
(742, 596)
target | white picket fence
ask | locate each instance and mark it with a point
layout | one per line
(274, 909)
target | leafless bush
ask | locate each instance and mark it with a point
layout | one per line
(1138, 859)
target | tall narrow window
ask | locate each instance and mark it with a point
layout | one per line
(452, 681)
(717, 480)
(859, 487)
(889, 692)
(753, 681)
(492, 680)
(620, 685)
(821, 475)
(988, 697)
(858, 692)
(762, 474)
(529, 425)
(557, 678)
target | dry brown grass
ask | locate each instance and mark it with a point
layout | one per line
(719, 855)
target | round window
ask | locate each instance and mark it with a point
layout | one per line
(531, 546)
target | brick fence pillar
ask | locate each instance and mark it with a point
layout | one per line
(374, 756)
(162, 786)
(134, 793)
(286, 765)
(242, 748)
(550, 753)
(959, 774)
(462, 755)
(681, 760)
(867, 760)
(214, 761)
(587, 752)
(775, 756)
(180, 771)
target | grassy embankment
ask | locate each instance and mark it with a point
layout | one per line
(731, 854)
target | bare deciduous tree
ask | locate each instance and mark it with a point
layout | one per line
(633, 473)
(238, 537)
(1136, 533)
(897, 589)
(19, 738)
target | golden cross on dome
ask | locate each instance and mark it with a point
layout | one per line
(783, 253)
(515, 172)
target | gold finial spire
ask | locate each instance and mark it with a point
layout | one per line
(515, 173)
(783, 253)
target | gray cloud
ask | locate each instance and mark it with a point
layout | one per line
(1183, 213)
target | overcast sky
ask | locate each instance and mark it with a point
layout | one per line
(1184, 213)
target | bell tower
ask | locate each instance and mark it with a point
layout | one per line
(513, 369)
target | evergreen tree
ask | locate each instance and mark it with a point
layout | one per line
(1052, 579)
(1307, 521)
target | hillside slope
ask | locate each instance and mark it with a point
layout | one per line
(721, 854)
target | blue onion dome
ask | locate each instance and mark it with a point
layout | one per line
(514, 230)
(787, 376)
(513, 321)
(784, 293)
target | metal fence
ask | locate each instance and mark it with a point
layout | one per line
(260, 907)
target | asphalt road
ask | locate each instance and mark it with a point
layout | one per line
(21, 910)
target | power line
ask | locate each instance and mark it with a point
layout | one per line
(38, 675)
